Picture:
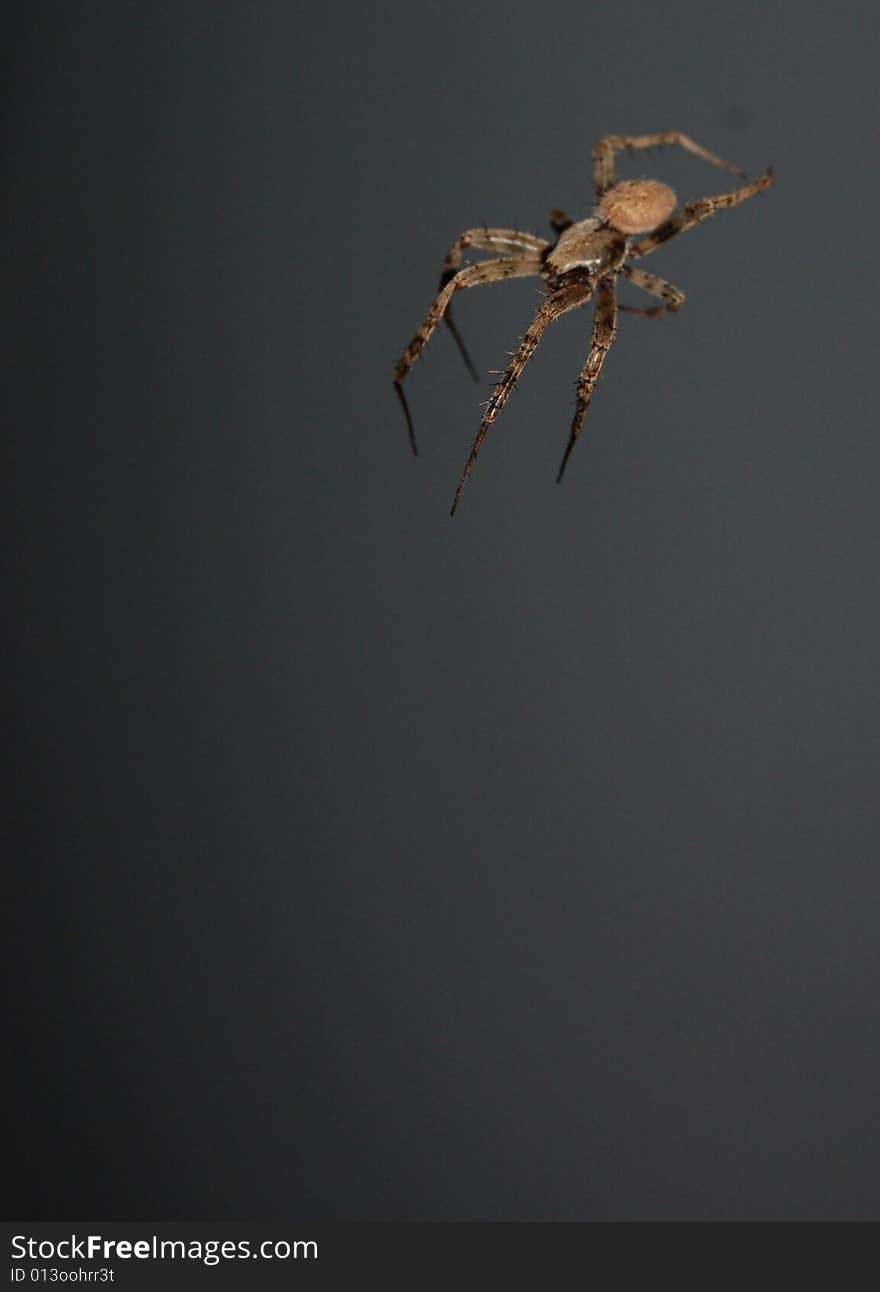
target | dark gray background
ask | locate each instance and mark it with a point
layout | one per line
(372, 865)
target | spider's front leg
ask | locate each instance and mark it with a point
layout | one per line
(490, 271)
(485, 239)
(566, 298)
(559, 220)
(604, 328)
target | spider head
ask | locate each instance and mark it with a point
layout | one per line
(637, 205)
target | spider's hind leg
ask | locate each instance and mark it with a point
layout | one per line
(695, 213)
(603, 154)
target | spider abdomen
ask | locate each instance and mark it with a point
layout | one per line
(637, 205)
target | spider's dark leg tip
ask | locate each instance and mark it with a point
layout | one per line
(462, 348)
(410, 428)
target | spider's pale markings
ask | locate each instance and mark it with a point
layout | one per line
(586, 260)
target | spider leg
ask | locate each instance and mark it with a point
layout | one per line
(672, 297)
(459, 341)
(497, 240)
(603, 154)
(559, 221)
(567, 298)
(489, 271)
(506, 240)
(695, 212)
(604, 328)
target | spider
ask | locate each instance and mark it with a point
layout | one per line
(585, 260)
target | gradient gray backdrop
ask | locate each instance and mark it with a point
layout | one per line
(372, 865)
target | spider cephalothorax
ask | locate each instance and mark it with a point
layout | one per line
(585, 261)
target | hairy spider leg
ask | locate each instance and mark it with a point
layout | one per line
(604, 328)
(695, 212)
(604, 150)
(672, 297)
(566, 298)
(489, 271)
(559, 221)
(497, 240)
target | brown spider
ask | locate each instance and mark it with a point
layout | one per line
(586, 259)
